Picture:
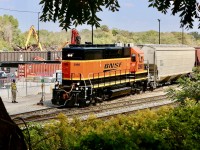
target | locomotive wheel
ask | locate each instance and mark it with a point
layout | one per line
(100, 97)
(82, 103)
(139, 91)
(70, 103)
(133, 91)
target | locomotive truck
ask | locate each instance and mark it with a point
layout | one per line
(94, 73)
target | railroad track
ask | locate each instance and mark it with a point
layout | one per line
(123, 105)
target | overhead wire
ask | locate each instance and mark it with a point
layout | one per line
(8, 9)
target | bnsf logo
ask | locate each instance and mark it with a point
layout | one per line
(112, 65)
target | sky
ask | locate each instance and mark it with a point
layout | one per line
(133, 16)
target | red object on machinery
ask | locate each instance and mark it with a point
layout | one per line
(75, 37)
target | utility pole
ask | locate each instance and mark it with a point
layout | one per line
(38, 27)
(92, 34)
(182, 35)
(159, 30)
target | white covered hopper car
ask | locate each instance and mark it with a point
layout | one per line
(166, 63)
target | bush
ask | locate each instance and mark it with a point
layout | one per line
(166, 128)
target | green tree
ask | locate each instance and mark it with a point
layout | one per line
(196, 35)
(187, 9)
(105, 28)
(84, 12)
(114, 32)
(188, 88)
(75, 12)
(9, 32)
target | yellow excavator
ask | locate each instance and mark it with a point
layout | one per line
(33, 32)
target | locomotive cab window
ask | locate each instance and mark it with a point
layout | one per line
(140, 58)
(113, 53)
(126, 52)
(133, 58)
(93, 54)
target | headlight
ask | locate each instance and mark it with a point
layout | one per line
(78, 83)
(77, 88)
(70, 55)
(57, 83)
(86, 88)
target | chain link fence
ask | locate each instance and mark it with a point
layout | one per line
(26, 86)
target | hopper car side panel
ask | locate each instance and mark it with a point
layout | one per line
(175, 62)
(168, 62)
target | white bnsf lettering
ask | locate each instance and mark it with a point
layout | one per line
(112, 65)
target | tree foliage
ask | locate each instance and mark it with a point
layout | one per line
(188, 10)
(11, 36)
(196, 35)
(189, 88)
(165, 128)
(9, 32)
(68, 12)
(78, 12)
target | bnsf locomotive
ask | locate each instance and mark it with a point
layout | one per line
(94, 73)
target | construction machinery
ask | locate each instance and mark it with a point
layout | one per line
(33, 47)
(75, 37)
(33, 32)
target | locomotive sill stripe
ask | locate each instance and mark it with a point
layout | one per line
(145, 71)
(102, 76)
(95, 60)
(78, 79)
(117, 82)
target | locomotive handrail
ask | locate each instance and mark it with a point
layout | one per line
(91, 81)
(81, 75)
(116, 73)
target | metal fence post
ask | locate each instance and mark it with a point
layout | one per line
(26, 87)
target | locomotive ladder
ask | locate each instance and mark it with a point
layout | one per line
(85, 84)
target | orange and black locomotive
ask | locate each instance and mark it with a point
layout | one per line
(94, 73)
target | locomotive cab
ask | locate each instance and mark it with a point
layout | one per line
(137, 60)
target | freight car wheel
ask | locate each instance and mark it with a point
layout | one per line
(101, 98)
(82, 103)
(69, 104)
(139, 91)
